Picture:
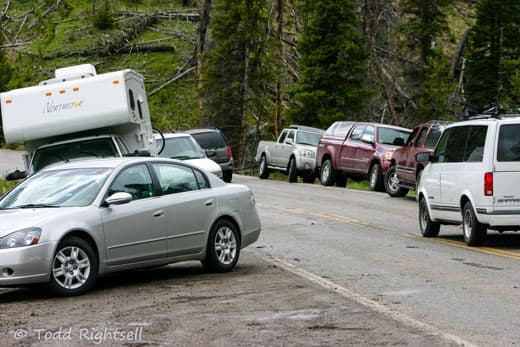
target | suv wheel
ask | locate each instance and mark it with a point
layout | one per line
(327, 173)
(292, 172)
(474, 232)
(392, 184)
(263, 170)
(375, 178)
(428, 228)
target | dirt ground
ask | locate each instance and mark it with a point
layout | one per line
(179, 305)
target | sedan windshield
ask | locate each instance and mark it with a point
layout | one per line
(389, 135)
(64, 188)
(306, 138)
(182, 147)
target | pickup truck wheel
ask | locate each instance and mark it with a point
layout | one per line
(392, 184)
(375, 178)
(428, 228)
(474, 232)
(292, 172)
(263, 170)
(327, 173)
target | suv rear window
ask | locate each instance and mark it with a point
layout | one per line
(210, 140)
(509, 143)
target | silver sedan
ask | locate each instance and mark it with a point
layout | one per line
(69, 224)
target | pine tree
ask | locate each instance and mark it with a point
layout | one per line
(493, 47)
(332, 64)
(237, 69)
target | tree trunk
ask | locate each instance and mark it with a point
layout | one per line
(278, 101)
(242, 148)
(201, 40)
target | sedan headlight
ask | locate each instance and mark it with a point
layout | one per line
(308, 154)
(21, 238)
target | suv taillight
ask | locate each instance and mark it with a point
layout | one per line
(229, 151)
(488, 184)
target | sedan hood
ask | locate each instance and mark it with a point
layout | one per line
(17, 219)
(206, 164)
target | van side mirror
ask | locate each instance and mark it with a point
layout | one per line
(423, 156)
(16, 175)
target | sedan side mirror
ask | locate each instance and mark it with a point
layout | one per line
(118, 198)
(423, 156)
(16, 175)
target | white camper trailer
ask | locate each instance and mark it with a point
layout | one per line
(79, 114)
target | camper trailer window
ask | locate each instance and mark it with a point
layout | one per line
(132, 100)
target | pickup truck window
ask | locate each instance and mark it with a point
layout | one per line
(420, 138)
(290, 135)
(63, 153)
(389, 135)
(307, 138)
(357, 132)
(342, 129)
(282, 137)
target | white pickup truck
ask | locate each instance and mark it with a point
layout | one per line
(293, 153)
(77, 115)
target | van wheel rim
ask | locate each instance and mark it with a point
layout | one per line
(71, 267)
(467, 223)
(225, 245)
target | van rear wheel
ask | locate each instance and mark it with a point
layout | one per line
(474, 232)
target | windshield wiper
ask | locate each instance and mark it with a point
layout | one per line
(35, 206)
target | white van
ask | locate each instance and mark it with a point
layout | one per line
(473, 179)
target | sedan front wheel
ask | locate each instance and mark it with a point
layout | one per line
(74, 267)
(223, 247)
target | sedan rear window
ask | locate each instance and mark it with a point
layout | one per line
(509, 143)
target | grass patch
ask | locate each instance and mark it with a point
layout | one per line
(5, 186)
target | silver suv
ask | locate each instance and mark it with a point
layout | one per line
(473, 179)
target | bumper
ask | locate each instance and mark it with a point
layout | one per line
(496, 218)
(26, 265)
(306, 165)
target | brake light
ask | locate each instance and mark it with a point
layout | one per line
(488, 184)
(229, 151)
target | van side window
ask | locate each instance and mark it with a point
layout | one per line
(451, 146)
(475, 144)
(509, 143)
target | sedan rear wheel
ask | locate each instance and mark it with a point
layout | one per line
(223, 247)
(73, 268)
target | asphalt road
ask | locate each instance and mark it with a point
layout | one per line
(368, 244)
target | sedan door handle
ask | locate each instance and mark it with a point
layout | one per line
(209, 202)
(158, 213)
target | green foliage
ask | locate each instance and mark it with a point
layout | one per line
(5, 186)
(238, 68)
(333, 65)
(493, 48)
(437, 88)
(103, 19)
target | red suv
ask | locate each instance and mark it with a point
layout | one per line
(404, 172)
(358, 150)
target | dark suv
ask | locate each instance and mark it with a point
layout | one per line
(404, 172)
(217, 149)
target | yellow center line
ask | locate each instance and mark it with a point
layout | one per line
(459, 244)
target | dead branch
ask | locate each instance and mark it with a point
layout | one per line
(455, 63)
(46, 12)
(174, 33)
(398, 88)
(16, 44)
(6, 9)
(20, 28)
(172, 80)
(195, 17)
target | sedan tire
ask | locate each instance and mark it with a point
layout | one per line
(223, 247)
(74, 267)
